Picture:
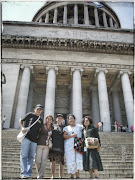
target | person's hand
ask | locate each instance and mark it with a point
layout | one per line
(50, 133)
(95, 140)
(23, 129)
(74, 135)
(98, 148)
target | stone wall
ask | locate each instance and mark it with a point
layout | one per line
(11, 72)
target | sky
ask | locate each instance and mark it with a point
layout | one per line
(25, 11)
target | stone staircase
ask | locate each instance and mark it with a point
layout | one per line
(116, 154)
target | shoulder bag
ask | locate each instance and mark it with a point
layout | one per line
(22, 135)
(91, 143)
(78, 145)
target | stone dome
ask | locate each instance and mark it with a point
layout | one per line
(77, 14)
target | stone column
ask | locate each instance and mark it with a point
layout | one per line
(111, 22)
(95, 105)
(104, 19)
(40, 20)
(116, 106)
(30, 98)
(103, 100)
(86, 15)
(47, 18)
(128, 97)
(55, 15)
(23, 95)
(77, 94)
(65, 15)
(50, 91)
(75, 14)
(96, 17)
(115, 25)
(71, 98)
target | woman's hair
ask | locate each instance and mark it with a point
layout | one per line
(70, 115)
(47, 118)
(89, 118)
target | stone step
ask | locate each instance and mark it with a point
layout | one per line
(104, 148)
(103, 135)
(10, 158)
(125, 159)
(13, 137)
(105, 163)
(115, 140)
(16, 167)
(113, 145)
(102, 153)
(130, 140)
(17, 156)
(106, 171)
(106, 166)
(124, 175)
(114, 163)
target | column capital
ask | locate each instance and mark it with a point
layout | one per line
(22, 66)
(100, 70)
(73, 69)
(121, 72)
(52, 67)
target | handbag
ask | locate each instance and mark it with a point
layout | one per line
(78, 145)
(22, 135)
(91, 143)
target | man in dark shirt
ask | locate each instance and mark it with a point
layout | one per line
(29, 143)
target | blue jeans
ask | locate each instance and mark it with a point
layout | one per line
(27, 155)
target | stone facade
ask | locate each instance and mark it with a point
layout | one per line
(69, 68)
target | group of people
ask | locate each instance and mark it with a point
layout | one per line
(121, 128)
(54, 141)
(117, 126)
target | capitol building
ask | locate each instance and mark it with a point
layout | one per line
(73, 57)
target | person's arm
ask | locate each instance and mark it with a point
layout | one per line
(23, 129)
(66, 136)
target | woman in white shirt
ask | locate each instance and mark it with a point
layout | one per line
(74, 159)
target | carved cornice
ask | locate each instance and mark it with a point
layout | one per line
(68, 64)
(9, 41)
